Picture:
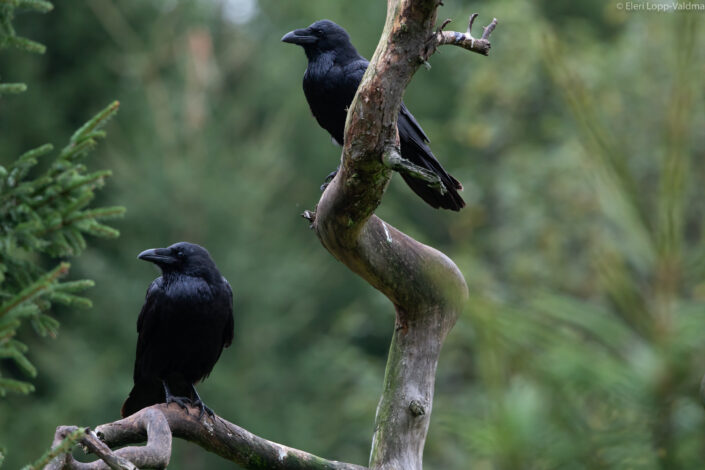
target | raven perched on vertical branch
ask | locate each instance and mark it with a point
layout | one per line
(334, 72)
(186, 320)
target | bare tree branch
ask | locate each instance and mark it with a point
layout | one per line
(158, 423)
(465, 40)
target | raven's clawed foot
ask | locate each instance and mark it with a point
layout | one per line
(204, 409)
(198, 403)
(183, 402)
(329, 178)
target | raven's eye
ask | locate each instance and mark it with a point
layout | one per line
(180, 253)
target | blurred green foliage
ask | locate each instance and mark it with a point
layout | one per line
(10, 38)
(580, 143)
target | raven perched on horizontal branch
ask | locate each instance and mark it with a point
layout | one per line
(186, 320)
(334, 72)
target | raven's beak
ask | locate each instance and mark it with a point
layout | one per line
(300, 37)
(157, 256)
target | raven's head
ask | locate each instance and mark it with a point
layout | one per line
(321, 36)
(184, 258)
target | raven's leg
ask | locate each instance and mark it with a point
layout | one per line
(181, 401)
(199, 403)
(329, 178)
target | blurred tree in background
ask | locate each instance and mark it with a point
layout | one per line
(580, 142)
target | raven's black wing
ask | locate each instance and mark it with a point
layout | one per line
(147, 390)
(229, 331)
(330, 87)
(147, 325)
(410, 120)
(215, 332)
(414, 147)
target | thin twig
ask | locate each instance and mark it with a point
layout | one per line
(465, 40)
(98, 447)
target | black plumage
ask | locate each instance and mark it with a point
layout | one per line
(185, 322)
(334, 72)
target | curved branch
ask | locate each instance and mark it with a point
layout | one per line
(158, 423)
(426, 287)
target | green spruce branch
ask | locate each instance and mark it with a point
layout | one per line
(48, 212)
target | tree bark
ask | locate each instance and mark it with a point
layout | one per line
(425, 286)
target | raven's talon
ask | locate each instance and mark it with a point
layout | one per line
(204, 409)
(329, 178)
(183, 402)
(331, 175)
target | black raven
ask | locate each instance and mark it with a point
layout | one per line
(186, 320)
(334, 72)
